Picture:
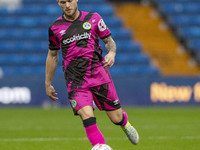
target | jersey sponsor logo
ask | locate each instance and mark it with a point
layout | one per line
(73, 103)
(87, 26)
(77, 37)
(102, 25)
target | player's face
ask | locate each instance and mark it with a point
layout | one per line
(69, 7)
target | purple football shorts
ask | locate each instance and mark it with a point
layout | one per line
(104, 96)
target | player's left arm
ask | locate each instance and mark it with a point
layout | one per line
(111, 48)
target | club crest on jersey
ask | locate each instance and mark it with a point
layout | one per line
(102, 25)
(87, 26)
(73, 103)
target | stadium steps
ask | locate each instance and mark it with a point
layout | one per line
(157, 40)
(183, 17)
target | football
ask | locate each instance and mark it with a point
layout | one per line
(101, 147)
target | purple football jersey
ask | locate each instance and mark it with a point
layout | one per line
(81, 52)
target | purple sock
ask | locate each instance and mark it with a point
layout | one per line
(125, 118)
(94, 135)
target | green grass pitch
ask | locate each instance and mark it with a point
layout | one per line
(160, 128)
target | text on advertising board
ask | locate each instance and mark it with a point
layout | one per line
(161, 92)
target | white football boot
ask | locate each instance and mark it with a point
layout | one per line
(131, 133)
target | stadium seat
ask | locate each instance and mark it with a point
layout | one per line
(126, 46)
(198, 56)
(184, 20)
(194, 44)
(33, 22)
(121, 34)
(22, 59)
(177, 8)
(3, 11)
(134, 70)
(26, 70)
(172, 1)
(132, 59)
(20, 46)
(35, 10)
(54, 1)
(21, 33)
(189, 32)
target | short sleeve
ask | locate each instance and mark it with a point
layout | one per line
(53, 42)
(102, 29)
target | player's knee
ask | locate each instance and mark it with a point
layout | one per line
(116, 119)
(86, 116)
(115, 116)
(86, 112)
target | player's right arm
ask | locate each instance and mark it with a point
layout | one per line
(51, 64)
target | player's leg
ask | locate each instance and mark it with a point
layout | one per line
(89, 121)
(105, 97)
(82, 104)
(119, 117)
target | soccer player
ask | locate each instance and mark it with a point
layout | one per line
(86, 72)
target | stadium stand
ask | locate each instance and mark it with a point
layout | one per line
(184, 18)
(24, 38)
(157, 38)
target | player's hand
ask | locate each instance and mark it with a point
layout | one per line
(50, 91)
(109, 59)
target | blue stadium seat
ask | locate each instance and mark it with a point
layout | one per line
(121, 34)
(172, 1)
(104, 10)
(21, 33)
(198, 56)
(189, 32)
(3, 11)
(35, 10)
(22, 59)
(184, 20)
(54, 1)
(43, 21)
(194, 44)
(26, 70)
(116, 70)
(113, 22)
(21, 46)
(40, 59)
(177, 8)
(126, 46)
(134, 70)
(132, 59)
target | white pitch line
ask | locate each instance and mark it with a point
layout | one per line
(190, 137)
(54, 139)
(172, 137)
(84, 138)
(41, 139)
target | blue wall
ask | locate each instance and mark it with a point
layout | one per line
(132, 91)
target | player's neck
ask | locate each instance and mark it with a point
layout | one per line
(73, 17)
